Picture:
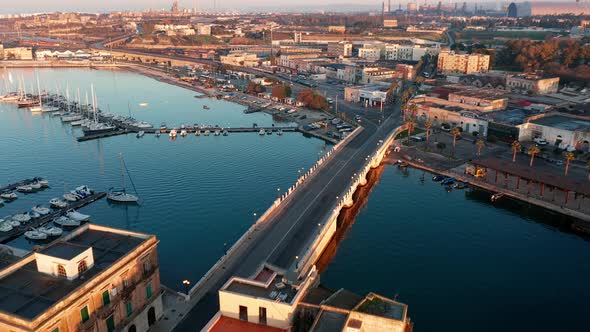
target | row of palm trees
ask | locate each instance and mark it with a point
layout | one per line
(534, 150)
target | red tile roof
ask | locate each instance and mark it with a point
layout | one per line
(231, 324)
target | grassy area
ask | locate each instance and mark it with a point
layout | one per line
(404, 134)
(484, 36)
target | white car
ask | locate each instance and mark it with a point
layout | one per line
(540, 141)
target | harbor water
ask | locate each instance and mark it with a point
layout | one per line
(462, 263)
(199, 193)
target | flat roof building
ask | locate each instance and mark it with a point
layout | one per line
(451, 62)
(96, 278)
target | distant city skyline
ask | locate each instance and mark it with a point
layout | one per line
(36, 6)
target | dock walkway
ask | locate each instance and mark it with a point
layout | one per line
(13, 186)
(43, 220)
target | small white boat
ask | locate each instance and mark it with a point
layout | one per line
(35, 185)
(8, 196)
(140, 134)
(172, 133)
(65, 221)
(5, 226)
(35, 235)
(225, 133)
(22, 217)
(34, 215)
(24, 189)
(157, 134)
(77, 216)
(197, 133)
(262, 132)
(496, 196)
(51, 230)
(13, 223)
(44, 183)
(57, 203)
(36, 109)
(70, 197)
(50, 109)
(280, 132)
(183, 133)
(41, 210)
(207, 132)
(143, 104)
(216, 132)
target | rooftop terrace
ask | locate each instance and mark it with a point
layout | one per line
(564, 122)
(27, 293)
(275, 290)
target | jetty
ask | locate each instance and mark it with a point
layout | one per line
(13, 186)
(43, 220)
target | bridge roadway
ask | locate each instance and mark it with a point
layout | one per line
(284, 234)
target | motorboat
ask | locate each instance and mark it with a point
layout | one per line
(57, 203)
(140, 134)
(163, 127)
(447, 181)
(460, 185)
(173, 133)
(41, 210)
(225, 133)
(438, 178)
(22, 217)
(496, 196)
(197, 132)
(84, 190)
(98, 128)
(207, 132)
(35, 235)
(143, 125)
(44, 183)
(216, 132)
(50, 109)
(157, 134)
(34, 215)
(280, 132)
(183, 133)
(269, 132)
(24, 189)
(35, 185)
(5, 226)
(70, 197)
(36, 109)
(71, 118)
(205, 107)
(8, 196)
(13, 223)
(77, 216)
(65, 221)
(51, 230)
(262, 132)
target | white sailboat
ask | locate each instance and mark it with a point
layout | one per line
(122, 196)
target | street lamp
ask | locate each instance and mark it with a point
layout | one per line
(296, 262)
(186, 284)
(278, 192)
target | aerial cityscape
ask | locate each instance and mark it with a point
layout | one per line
(192, 165)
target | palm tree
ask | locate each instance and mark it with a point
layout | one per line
(533, 150)
(404, 110)
(413, 110)
(427, 125)
(516, 146)
(456, 132)
(410, 123)
(480, 145)
(569, 156)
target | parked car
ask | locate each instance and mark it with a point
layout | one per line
(540, 141)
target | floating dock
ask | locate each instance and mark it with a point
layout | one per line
(13, 186)
(34, 223)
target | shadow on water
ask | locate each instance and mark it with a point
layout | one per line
(526, 211)
(347, 216)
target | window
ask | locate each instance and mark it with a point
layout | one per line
(262, 315)
(146, 265)
(129, 308)
(106, 298)
(110, 323)
(61, 271)
(243, 313)
(84, 314)
(148, 291)
(82, 266)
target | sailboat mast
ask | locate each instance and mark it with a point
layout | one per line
(122, 174)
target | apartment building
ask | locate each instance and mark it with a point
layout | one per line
(95, 278)
(450, 62)
(240, 59)
(343, 49)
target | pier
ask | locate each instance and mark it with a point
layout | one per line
(13, 186)
(43, 220)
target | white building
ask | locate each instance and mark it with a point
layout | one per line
(560, 130)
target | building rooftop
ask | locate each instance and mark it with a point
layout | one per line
(226, 324)
(343, 299)
(64, 250)
(380, 306)
(316, 296)
(26, 292)
(329, 321)
(276, 290)
(563, 122)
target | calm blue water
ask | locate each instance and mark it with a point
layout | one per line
(461, 263)
(198, 192)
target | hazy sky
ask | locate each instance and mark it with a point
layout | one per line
(31, 6)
